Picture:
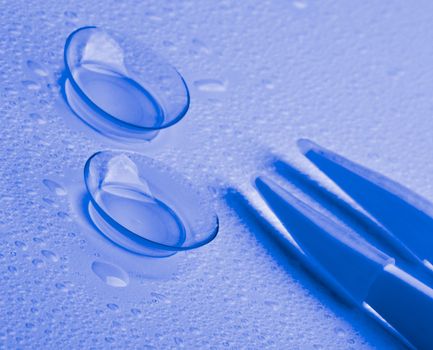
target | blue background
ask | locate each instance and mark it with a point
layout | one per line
(356, 77)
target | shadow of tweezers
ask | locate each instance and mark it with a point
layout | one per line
(276, 242)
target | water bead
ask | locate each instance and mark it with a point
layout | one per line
(50, 255)
(110, 274)
(36, 68)
(146, 207)
(54, 187)
(210, 85)
(119, 87)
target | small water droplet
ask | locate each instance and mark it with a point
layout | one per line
(70, 15)
(38, 263)
(50, 255)
(55, 187)
(12, 269)
(113, 306)
(38, 240)
(110, 274)
(37, 117)
(300, 4)
(31, 85)
(109, 339)
(210, 85)
(21, 245)
(340, 332)
(49, 201)
(178, 341)
(61, 287)
(153, 17)
(37, 68)
(160, 297)
(199, 46)
(268, 84)
(29, 325)
(63, 215)
(136, 312)
(169, 44)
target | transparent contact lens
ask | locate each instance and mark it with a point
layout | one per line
(146, 207)
(119, 87)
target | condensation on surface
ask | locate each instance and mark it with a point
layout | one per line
(356, 78)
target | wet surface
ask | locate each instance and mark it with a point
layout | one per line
(356, 78)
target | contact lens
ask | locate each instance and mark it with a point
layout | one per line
(146, 207)
(119, 87)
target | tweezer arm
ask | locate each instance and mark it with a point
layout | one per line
(405, 303)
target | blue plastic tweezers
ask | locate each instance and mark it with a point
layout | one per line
(394, 287)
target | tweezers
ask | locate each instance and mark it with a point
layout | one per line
(393, 286)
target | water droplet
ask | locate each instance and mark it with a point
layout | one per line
(113, 307)
(136, 312)
(199, 46)
(178, 341)
(50, 255)
(104, 78)
(268, 84)
(38, 240)
(210, 85)
(70, 15)
(31, 85)
(38, 263)
(340, 332)
(12, 269)
(49, 201)
(109, 339)
(21, 245)
(63, 215)
(160, 297)
(153, 17)
(300, 4)
(61, 287)
(110, 274)
(54, 187)
(40, 120)
(168, 44)
(37, 68)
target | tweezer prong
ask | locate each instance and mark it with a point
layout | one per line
(355, 219)
(345, 264)
(406, 215)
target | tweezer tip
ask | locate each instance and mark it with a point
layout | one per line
(259, 182)
(306, 145)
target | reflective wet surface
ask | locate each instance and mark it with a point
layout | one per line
(354, 77)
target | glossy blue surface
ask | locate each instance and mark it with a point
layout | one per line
(354, 77)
